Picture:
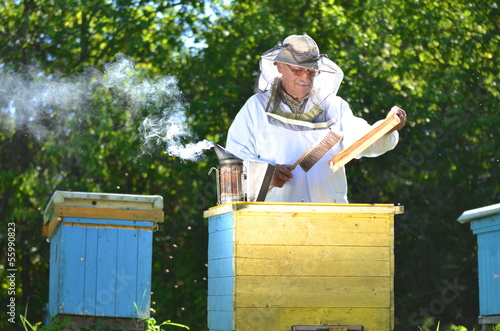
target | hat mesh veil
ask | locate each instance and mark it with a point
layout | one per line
(325, 84)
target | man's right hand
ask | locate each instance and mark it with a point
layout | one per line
(281, 175)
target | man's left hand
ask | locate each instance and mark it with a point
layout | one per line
(402, 117)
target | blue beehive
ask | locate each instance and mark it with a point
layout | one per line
(485, 223)
(100, 256)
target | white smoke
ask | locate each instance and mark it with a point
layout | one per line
(170, 131)
(31, 96)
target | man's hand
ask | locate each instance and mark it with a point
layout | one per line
(281, 175)
(402, 117)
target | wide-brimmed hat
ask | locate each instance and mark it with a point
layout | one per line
(300, 51)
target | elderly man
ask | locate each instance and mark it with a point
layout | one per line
(295, 103)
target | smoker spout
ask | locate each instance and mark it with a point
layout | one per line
(223, 154)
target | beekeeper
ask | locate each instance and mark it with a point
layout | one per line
(295, 103)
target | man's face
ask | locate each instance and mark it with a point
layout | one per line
(297, 81)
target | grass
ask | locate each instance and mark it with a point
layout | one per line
(152, 326)
(57, 325)
(429, 322)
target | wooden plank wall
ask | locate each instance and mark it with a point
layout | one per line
(278, 269)
(221, 273)
(488, 243)
(101, 268)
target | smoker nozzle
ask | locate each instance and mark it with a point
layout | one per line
(224, 155)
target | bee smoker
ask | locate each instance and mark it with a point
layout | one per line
(236, 182)
(229, 176)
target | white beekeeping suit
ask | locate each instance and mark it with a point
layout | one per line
(268, 129)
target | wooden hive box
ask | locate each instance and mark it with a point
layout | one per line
(277, 266)
(485, 223)
(100, 256)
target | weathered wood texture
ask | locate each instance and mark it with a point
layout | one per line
(100, 206)
(100, 271)
(342, 158)
(272, 270)
(100, 257)
(485, 224)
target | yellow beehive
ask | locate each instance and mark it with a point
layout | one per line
(275, 266)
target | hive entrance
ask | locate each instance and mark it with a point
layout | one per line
(327, 328)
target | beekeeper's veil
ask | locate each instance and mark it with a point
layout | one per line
(300, 51)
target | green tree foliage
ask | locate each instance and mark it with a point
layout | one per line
(437, 60)
(68, 35)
